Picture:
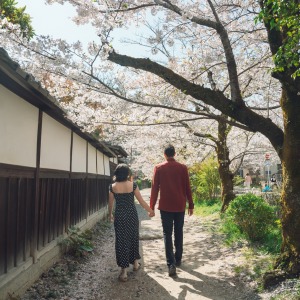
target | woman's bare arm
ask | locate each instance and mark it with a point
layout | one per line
(111, 200)
(139, 197)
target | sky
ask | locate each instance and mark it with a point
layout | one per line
(55, 20)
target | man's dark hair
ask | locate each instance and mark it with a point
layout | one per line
(169, 150)
(121, 172)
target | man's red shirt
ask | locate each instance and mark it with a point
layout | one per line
(171, 179)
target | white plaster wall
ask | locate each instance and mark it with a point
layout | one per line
(56, 143)
(106, 165)
(92, 159)
(114, 160)
(100, 163)
(18, 130)
(79, 154)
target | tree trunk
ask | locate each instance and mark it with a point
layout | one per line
(226, 175)
(226, 185)
(289, 260)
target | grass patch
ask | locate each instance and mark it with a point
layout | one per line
(205, 208)
(233, 235)
(272, 242)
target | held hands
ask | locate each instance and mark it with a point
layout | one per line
(151, 213)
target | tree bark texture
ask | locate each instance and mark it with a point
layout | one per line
(226, 175)
(290, 198)
(289, 261)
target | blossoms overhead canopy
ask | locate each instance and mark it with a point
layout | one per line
(183, 36)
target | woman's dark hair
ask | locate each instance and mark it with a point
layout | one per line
(169, 150)
(121, 172)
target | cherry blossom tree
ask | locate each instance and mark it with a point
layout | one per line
(194, 38)
(284, 141)
(224, 32)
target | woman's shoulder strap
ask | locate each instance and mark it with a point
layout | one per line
(134, 185)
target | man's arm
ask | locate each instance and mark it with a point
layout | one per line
(154, 188)
(189, 192)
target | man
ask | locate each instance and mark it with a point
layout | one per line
(171, 179)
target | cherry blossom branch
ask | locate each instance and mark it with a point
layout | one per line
(198, 134)
(247, 69)
(235, 110)
(155, 124)
(209, 115)
(265, 108)
(127, 9)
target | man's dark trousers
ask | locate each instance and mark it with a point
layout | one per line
(168, 219)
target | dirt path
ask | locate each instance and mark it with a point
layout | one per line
(206, 271)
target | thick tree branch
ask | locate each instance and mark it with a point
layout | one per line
(217, 99)
(180, 12)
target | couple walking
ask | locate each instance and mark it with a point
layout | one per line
(171, 180)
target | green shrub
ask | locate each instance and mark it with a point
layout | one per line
(231, 230)
(238, 180)
(252, 216)
(205, 180)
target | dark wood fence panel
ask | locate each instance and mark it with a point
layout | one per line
(93, 195)
(77, 201)
(3, 225)
(103, 191)
(53, 200)
(97, 193)
(62, 202)
(16, 216)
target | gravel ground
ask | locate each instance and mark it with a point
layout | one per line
(207, 270)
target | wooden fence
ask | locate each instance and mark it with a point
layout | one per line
(35, 211)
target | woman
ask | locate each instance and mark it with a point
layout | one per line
(248, 181)
(126, 219)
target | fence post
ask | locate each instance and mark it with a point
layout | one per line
(33, 244)
(68, 213)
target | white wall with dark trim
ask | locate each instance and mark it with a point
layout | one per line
(18, 130)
